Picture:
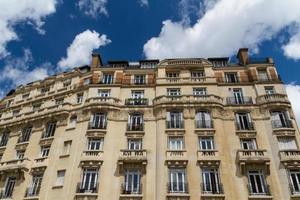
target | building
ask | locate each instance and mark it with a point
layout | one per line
(174, 129)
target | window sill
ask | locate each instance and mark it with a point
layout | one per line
(70, 128)
(57, 186)
(64, 156)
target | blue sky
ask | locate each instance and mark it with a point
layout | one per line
(40, 38)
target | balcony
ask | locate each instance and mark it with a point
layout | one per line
(40, 162)
(103, 101)
(204, 124)
(97, 125)
(259, 157)
(272, 99)
(176, 157)
(175, 124)
(245, 127)
(187, 99)
(87, 191)
(262, 195)
(17, 165)
(132, 157)
(135, 127)
(6, 195)
(92, 158)
(290, 158)
(136, 102)
(239, 101)
(295, 192)
(178, 191)
(129, 193)
(282, 124)
(208, 157)
(212, 192)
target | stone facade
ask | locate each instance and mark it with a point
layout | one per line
(174, 129)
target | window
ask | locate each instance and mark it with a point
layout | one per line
(137, 94)
(4, 138)
(174, 119)
(108, 78)
(135, 122)
(219, 63)
(50, 130)
(104, 93)
(135, 144)
(280, 119)
(132, 182)
(203, 119)
(177, 180)
(206, 143)
(16, 112)
(89, 181)
(269, 90)
(66, 83)
(87, 81)
(45, 151)
(199, 91)
(98, 121)
(67, 147)
(35, 185)
(36, 107)
(238, 97)
(60, 178)
(197, 75)
(173, 92)
(231, 77)
(257, 184)
(287, 143)
(73, 121)
(8, 103)
(25, 96)
(45, 89)
(79, 98)
(9, 187)
(211, 181)
(248, 144)
(20, 154)
(295, 181)
(243, 121)
(95, 144)
(139, 79)
(173, 74)
(59, 101)
(262, 75)
(25, 135)
(176, 143)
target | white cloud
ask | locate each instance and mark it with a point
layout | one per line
(16, 71)
(16, 11)
(144, 3)
(292, 48)
(79, 52)
(93, 8)
(226, 26)
(293, 92)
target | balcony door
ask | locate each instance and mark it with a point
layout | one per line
(279, 119)
(89, 180)
(238, 96)
(98, 120)
(35, 185)
(177, 180)
(135, 121)
(132, 181)
(257, 184)
(9, 187)
(175, 119)
(295, 181)
(203, 119)
(137, 94)
(211, 181)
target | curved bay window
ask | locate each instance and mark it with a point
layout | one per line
(98, 121)
(280, 119)
(135, 122)
(203, 119)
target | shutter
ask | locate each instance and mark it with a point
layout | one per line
(218, 76)
(126, 79)
(150, 78)
(119, 76)
(272, 73)
(243, 77)
(253, 74)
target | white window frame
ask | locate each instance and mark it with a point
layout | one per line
(176, 143)
(206, 143)
(95, 144)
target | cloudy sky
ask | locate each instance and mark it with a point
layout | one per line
(40, 38)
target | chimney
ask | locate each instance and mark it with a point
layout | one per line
(243, 57)
(96, 60)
